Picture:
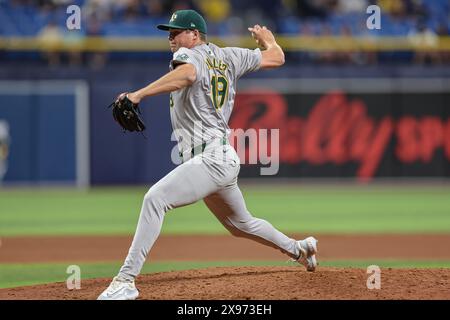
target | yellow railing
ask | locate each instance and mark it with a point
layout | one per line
(289, 43)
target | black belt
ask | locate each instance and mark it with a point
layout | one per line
(200, 148)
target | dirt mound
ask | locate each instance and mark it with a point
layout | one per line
(262, 283)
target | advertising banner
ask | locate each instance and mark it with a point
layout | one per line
(361, 128)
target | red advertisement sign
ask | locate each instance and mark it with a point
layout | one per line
(336, 128)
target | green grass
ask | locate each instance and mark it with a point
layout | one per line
(292, 209)
(15, 275)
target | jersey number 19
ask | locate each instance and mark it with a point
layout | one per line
(219, 90)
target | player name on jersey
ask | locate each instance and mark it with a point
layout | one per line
(216, 64)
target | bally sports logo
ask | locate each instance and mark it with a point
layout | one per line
(338, 130)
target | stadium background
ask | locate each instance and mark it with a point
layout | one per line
(364, 135)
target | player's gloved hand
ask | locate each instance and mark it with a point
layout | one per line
(127, 113)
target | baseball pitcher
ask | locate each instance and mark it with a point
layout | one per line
(202, 86)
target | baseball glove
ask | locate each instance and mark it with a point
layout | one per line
(127, 114)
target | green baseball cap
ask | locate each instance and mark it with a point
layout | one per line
(185, 19)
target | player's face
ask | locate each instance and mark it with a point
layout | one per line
(181, 38)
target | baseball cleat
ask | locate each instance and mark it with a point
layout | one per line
(308, 250)
(120, 289)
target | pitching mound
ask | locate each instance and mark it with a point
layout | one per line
(264, 283)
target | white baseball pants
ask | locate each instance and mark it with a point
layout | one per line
(211, 176)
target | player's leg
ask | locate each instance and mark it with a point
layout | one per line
(229, 207)
(186, 184)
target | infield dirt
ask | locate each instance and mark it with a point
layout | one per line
(263, 283)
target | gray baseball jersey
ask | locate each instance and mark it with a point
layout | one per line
(201, 111)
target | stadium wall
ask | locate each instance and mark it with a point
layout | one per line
(407, 124)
